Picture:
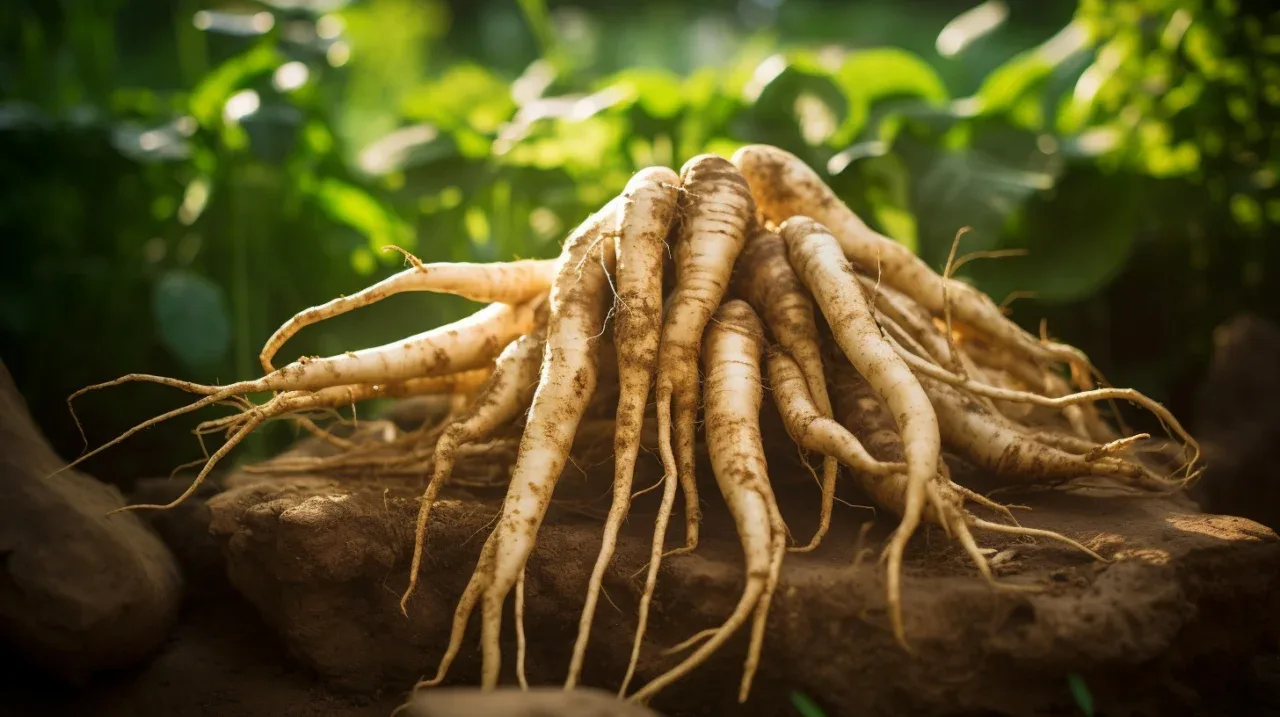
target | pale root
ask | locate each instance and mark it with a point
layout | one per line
(810, 429)
(512, 282)
(508, 393)
(714, 210)
(644, 218)
(579, 304)
(784, 186)
(733, 397)
(766, 280)
(823, 268)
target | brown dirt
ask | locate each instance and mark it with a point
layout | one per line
(1184, 622)
(1177, 625)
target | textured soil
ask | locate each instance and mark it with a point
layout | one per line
(1184, 621)
(293, 584)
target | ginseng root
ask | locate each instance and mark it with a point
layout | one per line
(733, 396)
(784, 186)
(713, 212)
(470, 343)
(867, 418)
(767, 281)
(644, 217)
(508, 393)
(579, 305)
(826, 272)
(512, 282)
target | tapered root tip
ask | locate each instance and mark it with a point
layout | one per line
(142, 506)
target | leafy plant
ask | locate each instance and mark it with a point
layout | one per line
(228, 166)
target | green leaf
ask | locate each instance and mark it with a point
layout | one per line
(192, 318)
(1080, 693)
(535, 13)
(794, 101)
(1072, 254)
(1008, 84)
(889, 197)
(353, 206)
(1021, 87)
(465, 96)
(658, 92)
(208, 97)
(869, 76)
(805, 705)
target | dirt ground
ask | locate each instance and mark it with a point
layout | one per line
(293, 584)
(222, 660)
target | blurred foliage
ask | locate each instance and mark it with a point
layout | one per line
(180, 178)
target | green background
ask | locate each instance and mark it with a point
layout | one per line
(180, 177)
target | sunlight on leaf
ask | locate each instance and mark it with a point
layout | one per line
(209, 97)
(1013, 85)
(899, 223)
(362, 261)
(355, 207)
(465, 95)
(970, 26)
(658, 92)
(869, 76)
(477, 226)
(406, 146)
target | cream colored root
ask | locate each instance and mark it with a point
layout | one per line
(520, 642)
(1098, 394)
(669, 484)
(918, 323)
(764, 278)
(342, 396)
(815, 432)
(505, 396)
(1034, 533)
(509, 283)
(734, 343)
(822, 266)
(784, 186)
(466, 344)
(218, 455)
(867, 414)
(644, 217)
(714, 210)
(577, 308)
(1083, 419)
(580, 301)
(760, 620)
(462, 613)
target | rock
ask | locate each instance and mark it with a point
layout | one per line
(1172, 626)
(80, 591)
(185, 529)
(1238, 422)
(220, 660)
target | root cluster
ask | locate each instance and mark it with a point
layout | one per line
(775, 291)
